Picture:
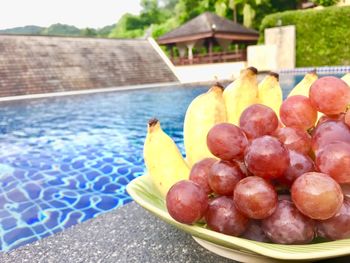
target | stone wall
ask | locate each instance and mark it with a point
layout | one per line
(39, 64)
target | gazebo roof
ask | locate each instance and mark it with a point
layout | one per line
(209, 25)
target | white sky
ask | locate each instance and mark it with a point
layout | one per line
(80, 13)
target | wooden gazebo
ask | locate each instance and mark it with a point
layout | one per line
(208, 30)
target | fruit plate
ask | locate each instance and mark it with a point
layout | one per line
(142, 191)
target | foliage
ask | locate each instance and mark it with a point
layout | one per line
(61, 30)
(105, 31)
(161, 16)
(131, 26)
(88, 32)
(325, 2)
(26, 30)
(127, 27)
(322, 38)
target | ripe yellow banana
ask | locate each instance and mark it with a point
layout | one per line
(163, 160)
(240, 94)
(346, 78)
(303, 87)
(270, 92)
(202, 114)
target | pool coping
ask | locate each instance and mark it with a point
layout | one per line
(125, 234)
(89, 91)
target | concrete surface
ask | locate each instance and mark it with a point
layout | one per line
(127, 234)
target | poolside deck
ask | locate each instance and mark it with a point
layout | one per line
(127, 234)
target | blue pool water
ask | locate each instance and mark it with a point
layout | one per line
(65, 160)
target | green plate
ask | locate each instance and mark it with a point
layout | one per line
(142, 191)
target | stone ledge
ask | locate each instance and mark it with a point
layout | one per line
(127, 234)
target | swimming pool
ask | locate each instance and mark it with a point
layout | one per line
(64, 160)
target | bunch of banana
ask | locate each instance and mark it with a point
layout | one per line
(304, 85)
(163, 160)
(203, 113)
(240, 94)
(270, 92)
(346, 78)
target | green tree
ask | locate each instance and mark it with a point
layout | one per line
(61, 30)
(88, 32)
(125, 29)
(251, 12)
(325, 2)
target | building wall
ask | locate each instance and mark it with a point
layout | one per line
(209, 72)
(38, 64)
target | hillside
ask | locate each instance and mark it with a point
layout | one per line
(25, 30)
(58, 30)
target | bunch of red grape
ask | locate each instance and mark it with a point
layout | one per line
(275, 183)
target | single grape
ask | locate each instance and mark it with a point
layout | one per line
(255, 232)
(297, 111)
(334, 160)
(222, 216)
(317, 195)
(227, 141)
(255, 198)
(223, 177)
(338, 226)
(329, 131)
(200, 172)
(186, 202)
(258, 120)
(298, 165)
(288, 226)
(330, 95)
(266, 157)
(294, 139)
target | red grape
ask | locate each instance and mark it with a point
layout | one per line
(297, 111)
(200, 172)
(337, 227)
(258, 120)
(222, 216)
(186, 202)
(288, 226)
(330, 95)
(255, 232)
(334, 160)
(317, 195)
(267, 157)
(329, 131)
(294, 139)
(227, 141)
(223, 177)
(298, 165)
(255, 198)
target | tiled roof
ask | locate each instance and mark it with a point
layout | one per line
(38, 64)
(204, 24)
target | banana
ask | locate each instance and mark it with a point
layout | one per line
(240, 94)
(270, 92)
(202, 114)
(346, 78)
(303, 87)
(163, 160)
